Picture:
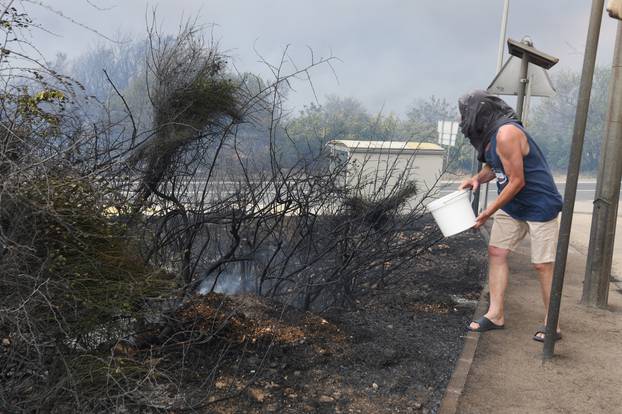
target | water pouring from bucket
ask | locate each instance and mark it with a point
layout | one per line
(453, 213)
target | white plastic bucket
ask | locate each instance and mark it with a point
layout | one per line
(453, 213)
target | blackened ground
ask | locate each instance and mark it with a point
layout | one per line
(393, 353)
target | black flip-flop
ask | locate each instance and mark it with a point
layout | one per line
(485, 324)
(542, 330)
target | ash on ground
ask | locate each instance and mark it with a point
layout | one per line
(393, 351)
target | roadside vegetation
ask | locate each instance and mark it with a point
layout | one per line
(137, 192)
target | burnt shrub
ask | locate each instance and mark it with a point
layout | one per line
(72, 283)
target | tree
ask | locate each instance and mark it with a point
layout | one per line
(338, 118)
(421, 119)
(552, 120)
(123, 61)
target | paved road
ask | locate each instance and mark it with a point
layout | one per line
(585, 190)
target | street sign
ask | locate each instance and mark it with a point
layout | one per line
(525, 49)
(447, 131)
(507, 81)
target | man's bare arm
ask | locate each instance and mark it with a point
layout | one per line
(510, 141)
(484, 176)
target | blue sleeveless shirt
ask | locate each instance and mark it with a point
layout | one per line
(539, 200)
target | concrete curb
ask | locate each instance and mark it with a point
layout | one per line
(455, 387)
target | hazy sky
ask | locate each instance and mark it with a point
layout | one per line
(390, 52)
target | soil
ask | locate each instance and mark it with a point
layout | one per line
(508, 374)
(393, 352)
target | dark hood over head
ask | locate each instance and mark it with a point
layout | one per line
(481, 114)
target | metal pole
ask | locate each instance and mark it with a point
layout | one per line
(504, 26)
(520, 101)
(475, 203)
(604, 216)
(572, 178)
(527, 103)
(502, 35)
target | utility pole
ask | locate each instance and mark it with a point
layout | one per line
(502, 34)
(572, 178)
(604, 217)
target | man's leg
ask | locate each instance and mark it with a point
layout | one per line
(506, 232)
(543, 250)
(498, 275)
(545, 273)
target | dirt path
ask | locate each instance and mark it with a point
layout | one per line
(507, 375)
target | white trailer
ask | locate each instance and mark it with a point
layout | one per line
(378, 168)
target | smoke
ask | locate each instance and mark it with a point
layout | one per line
(235, 278)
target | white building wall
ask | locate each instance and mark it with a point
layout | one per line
(380, 173)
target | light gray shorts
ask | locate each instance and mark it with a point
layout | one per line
(507, 233)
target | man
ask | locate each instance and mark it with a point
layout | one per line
(528, 200)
